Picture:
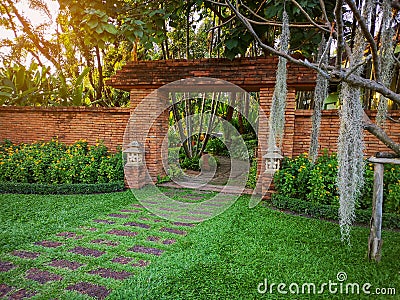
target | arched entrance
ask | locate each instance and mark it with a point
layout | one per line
(142, 78)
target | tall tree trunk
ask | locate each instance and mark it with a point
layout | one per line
(211, 46)
(202, 112)
(246, 105)
(229, 115)
(100, 84)
(177, 118)
(164, 29)
(188, 122)
(240, 121)
(214, 107)
(188, 29)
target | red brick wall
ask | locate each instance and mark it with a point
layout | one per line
(329, 132)
(29, 124)
(250, 74)
(69, 124)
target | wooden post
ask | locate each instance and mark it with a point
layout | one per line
(375, 236)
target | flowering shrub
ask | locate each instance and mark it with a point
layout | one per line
(56, 163)
(299, 178)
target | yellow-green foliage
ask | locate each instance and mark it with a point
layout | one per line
(55, 162)
(299, 178)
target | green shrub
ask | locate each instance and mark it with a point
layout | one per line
(217, 146)
(392, 202)
(318, 210)
(252, 147)
(190, 163)
(56, 163)
(300, 179)
(174, 171)
(252, 179)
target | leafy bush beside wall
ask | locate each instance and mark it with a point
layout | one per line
(299, 179)
(56, 163)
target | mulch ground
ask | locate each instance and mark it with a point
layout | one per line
(87, 252)
(42, 276)
(90, 289)
(49, 244)
(147, 250)
(6, 266)
(63, 263)
(26, 254)
(108, 273)
(69, 251)
(22, 294)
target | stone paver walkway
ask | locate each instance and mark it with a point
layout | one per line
(111, 247)
(215, 181)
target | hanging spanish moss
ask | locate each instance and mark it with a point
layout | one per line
(350, 156)
(277, 116)
(351, 141)
(320, 94)
(387, 60)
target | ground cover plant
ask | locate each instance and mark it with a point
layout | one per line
(223, 258)
(54, 162)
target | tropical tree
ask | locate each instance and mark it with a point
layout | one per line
(365, 36)
(20, 85)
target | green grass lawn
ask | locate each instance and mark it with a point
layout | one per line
(226, 257)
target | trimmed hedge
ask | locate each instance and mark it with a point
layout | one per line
(62, 189)
(317, 210)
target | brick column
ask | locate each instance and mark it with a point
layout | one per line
(266, 94)
(135, 176)
(149, 126)
(268, 187)
(156, 151)
(265, 107)
(290, 117)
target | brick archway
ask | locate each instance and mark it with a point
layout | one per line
(251, 74)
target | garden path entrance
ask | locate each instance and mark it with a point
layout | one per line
(143, 79)
(215, 181)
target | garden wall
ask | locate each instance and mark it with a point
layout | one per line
(29, 124)
(329, 132)
(69, 124)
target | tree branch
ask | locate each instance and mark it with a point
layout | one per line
(339, 30)
(308, 16)
(300, 25)
(366, 83)
(380, 134)
(393, 120)
(368, 36)
(334, 75)
(327, 47)
(267, 22)
(354, 68)
(222, 24)
(32, 36)
(322, 4)
(217, 3)
(396, 59)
